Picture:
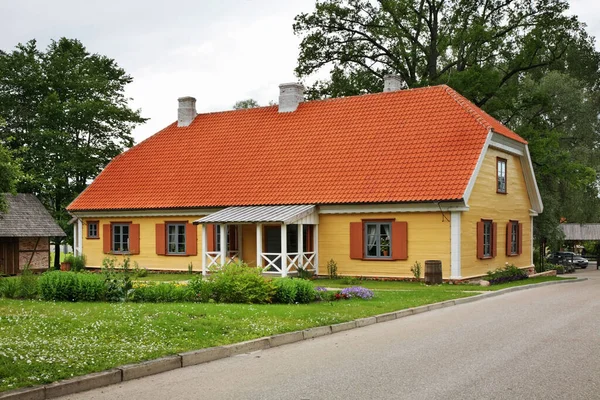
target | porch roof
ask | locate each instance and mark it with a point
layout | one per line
(258, 214)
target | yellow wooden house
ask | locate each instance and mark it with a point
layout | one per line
(374, 182)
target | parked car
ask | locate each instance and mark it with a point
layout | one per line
(568, 257)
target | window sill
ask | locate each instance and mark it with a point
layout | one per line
(499, 192)
(92, 238)
(176, 255)
(378, 259)
(120, 253)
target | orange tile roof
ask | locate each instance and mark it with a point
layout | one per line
(413, 145)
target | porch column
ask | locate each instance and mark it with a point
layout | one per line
(203, 249)
(259, 241)
(301, 245)
(239, 241)
(316, 247)
(223, 237)
(284, 250)
(79, 250)
(455, 272)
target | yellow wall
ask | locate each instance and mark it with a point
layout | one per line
(428, 239)
(485, 203)
(92, 248)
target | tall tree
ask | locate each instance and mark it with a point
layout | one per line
(248, 103)
(8, 173)
(66, 117)
(527, 62)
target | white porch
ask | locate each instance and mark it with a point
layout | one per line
(286, 238)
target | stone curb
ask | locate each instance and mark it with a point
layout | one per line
(151, 367)
(146, 368)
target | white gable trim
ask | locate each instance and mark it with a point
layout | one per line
(475, 173)
(515, 148)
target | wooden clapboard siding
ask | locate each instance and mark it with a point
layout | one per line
(486, 203)
(428, 239)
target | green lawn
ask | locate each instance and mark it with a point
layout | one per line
(152, 277)
(400, 285)
(42, 342)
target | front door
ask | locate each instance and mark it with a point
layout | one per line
(9, 256)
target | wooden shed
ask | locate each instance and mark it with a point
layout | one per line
(25, 232)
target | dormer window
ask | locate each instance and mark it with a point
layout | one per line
(501, 175)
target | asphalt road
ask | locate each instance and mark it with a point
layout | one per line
(542, 343)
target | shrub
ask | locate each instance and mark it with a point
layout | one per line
(305, 291)
(356, 292)
(304, 273)
(322, 294)
(57, 285)
(201, 289)
(9, 287)
(509, 273)
(71, 286)
(332, 269)
(77, 262)
(285, 290)
(139, 272)
(350, 280)
(416, 270)
(288, 291)
(27, 284)
(558, 268)
(238, 283)
(161, 293)
(117, 284)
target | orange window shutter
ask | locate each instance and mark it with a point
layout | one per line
(356, 240)
(508, 238)
(106, 238)
(399, 240)
(520, 239)
(480, 240)
(161, 241)
(494, 239)
(134, 239)
(191, 242)
(211, 238)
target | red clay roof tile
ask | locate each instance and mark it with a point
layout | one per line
(407, 146)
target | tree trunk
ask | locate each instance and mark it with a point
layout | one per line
(57, 253)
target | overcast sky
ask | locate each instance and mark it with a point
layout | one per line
(219, 51)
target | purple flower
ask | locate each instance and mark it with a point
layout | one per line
(320, 289)
(357, 291)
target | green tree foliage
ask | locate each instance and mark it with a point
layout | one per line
(248, 103)
(526, 62)
(66, 117)
(9, 173)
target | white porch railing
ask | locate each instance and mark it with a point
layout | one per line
(294, 261)
(214, 259)
(273, 260)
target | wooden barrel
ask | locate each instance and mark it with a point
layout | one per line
(433, 272)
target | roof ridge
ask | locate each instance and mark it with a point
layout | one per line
(466, 105)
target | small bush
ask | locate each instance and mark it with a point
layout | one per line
(558, 268)
(322, 294)
(416, 270)
(9, 287)
(509, 273)
(77, 262)
(332, 269)
(304, 273)
(117, 284)
(139, 272)
(350, 280)
(239, 283)
(161, 293)
(305, 291)
(28, 285)
(285, 290)
(201, 289)
(71, 286)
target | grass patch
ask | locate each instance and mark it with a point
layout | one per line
(419, 286)
(152, 277)
(42, 342)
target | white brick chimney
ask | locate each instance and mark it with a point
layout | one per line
(290, 95)
(392, 83)
(186, 111)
